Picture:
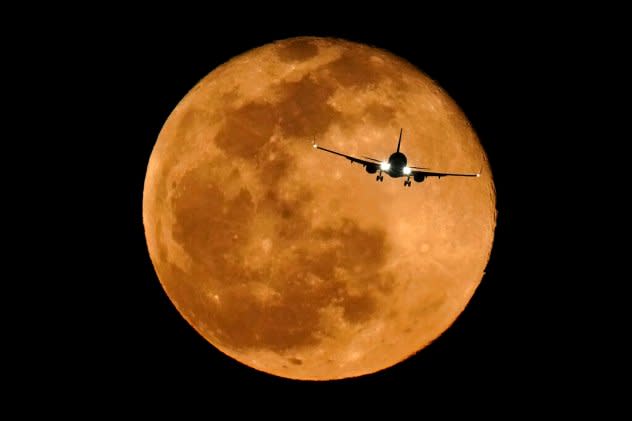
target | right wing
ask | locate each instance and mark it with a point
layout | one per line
(443, 174)
(363, 162)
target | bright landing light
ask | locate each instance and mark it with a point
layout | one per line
(385, 166)
(407, 170)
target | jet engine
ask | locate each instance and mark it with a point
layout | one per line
(419, 178)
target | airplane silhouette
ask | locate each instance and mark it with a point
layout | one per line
(396, 166)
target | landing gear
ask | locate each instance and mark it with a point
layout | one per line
(379, 177)
(407, 183)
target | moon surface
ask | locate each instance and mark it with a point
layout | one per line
(291, 260)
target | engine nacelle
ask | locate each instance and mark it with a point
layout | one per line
(419, 178)
(371, 169)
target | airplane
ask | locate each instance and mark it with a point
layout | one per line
(396, 166)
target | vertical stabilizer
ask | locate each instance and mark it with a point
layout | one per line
(400, 138)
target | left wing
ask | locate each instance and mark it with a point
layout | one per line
(363, 162)
(443, 174)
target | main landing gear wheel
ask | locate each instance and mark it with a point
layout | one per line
(407, 183)
(379, 178)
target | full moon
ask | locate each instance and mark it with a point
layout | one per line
(292, 260)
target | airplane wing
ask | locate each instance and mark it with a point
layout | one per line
(363, 162)
(372, 159)
(443, 174)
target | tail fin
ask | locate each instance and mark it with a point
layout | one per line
(400, 138)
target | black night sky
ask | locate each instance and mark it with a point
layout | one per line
(502, 76)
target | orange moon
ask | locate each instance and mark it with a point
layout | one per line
(291, 260)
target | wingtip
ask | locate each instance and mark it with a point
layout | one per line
(314, 145)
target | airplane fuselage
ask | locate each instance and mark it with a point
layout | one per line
(397, 163)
